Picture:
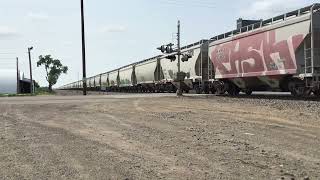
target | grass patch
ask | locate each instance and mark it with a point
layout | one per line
(42, 91)
(15, 95)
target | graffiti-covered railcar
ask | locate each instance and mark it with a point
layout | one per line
(280, 53)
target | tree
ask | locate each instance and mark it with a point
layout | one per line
(36, 85)
(54, 69)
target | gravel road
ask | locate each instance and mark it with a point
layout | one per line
(158, 137)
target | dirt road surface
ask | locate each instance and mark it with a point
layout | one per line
(158, 137)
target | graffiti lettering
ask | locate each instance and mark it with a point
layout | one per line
(256, 55)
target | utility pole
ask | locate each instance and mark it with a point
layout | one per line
(171, 55)
(179, 48)
(179, 91)
(84, 78)
(30, 67)
(18, 77)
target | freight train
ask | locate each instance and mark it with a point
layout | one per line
(278, 54)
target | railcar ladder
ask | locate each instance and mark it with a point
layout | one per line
(210, 69)
(308, 66)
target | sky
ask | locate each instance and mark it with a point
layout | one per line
(117, 32)
(8, 79)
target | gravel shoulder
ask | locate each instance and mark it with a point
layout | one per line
(158, 137)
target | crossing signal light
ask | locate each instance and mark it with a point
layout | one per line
(162, 49)
(169, 49)
(185, 57)
(166, 48)
(171, 57)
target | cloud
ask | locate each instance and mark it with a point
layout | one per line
(113, 29)
(269, 8)
(38, 16)
(8, 32)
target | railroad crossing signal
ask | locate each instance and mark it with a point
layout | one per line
(162, 49)
(166, 48)
(185, 57)
(169, 49)
(171, 57)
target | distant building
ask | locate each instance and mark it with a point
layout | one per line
(24, 86)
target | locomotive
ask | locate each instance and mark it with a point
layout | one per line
(277, 54)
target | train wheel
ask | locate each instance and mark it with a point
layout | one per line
(179, 92)
(173, 89)
(298, 89)
(233, 90)
(248, 92)
(157, 89)
(220, 90)
(301, 92)
(206, 90)
(170, 88)
(213, 90)
(198, 90)
(317, 93)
